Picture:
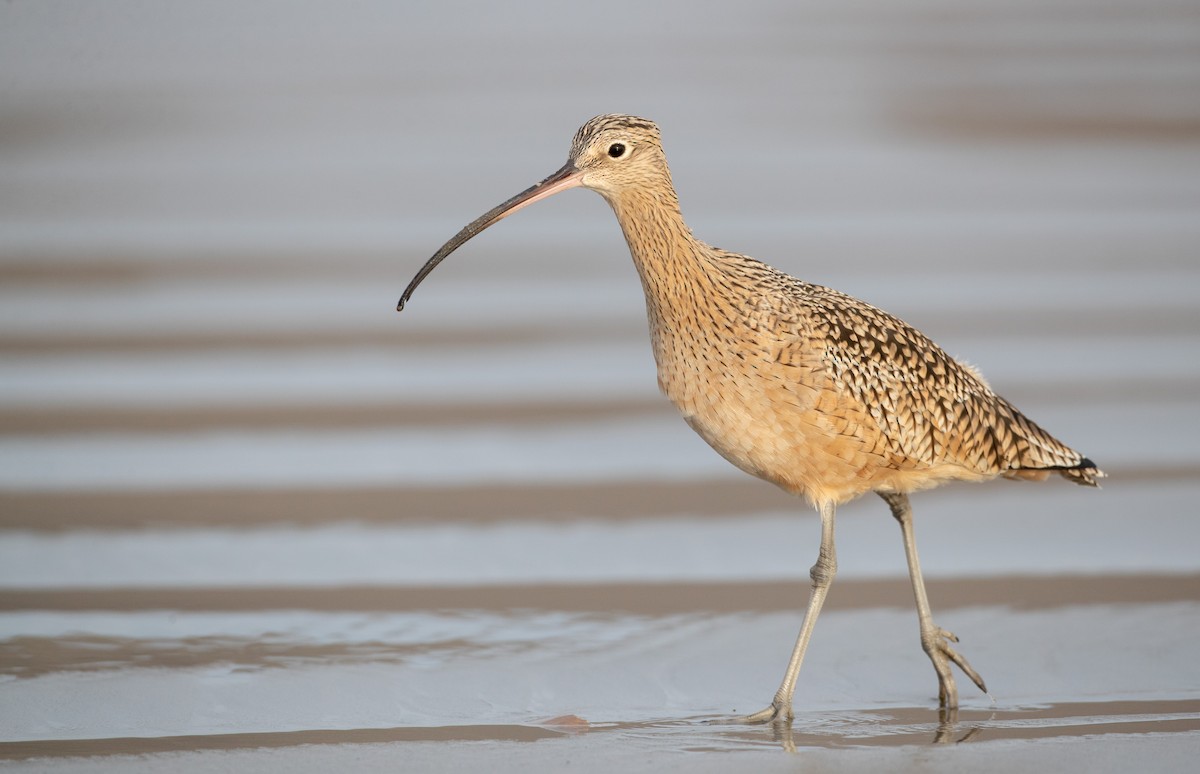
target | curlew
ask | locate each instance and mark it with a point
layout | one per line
(810, 389)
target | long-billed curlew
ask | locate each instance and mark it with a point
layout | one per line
(808, 388)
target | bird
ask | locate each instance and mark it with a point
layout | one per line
(808, 388)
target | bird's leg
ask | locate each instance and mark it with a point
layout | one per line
(822, 574)
(934, 640)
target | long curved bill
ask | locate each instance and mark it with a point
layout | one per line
(567, 177)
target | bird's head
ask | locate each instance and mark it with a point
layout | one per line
(612, 153)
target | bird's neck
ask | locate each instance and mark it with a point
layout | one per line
(672, 264)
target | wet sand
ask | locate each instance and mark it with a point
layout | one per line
(250, 519)
(271, 684)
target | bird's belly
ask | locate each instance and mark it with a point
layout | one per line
(805, 440)
(794, 455)
(775, 429)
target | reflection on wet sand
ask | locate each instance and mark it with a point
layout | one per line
(897, 727)
(330, 676)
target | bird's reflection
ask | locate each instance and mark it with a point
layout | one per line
(907, 727)
(949, 729)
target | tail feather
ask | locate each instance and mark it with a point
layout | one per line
(1085, 473)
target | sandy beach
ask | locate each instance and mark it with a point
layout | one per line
(251, 519)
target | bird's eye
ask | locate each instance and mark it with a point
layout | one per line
(616, 150)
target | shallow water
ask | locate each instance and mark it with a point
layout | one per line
(251, 519)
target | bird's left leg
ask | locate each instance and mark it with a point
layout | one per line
(822, 574)
(934, 640)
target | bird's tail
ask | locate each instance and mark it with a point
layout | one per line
(1043, 454)
(1085, 473)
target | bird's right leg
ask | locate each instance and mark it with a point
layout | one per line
(934, 639)
(822, 574)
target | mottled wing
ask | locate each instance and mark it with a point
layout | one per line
(929, 408)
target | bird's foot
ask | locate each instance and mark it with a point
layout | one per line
(937, 644)
(778, 713)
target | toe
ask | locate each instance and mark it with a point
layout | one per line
(773, 714)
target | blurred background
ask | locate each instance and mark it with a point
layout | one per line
(208, 211)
